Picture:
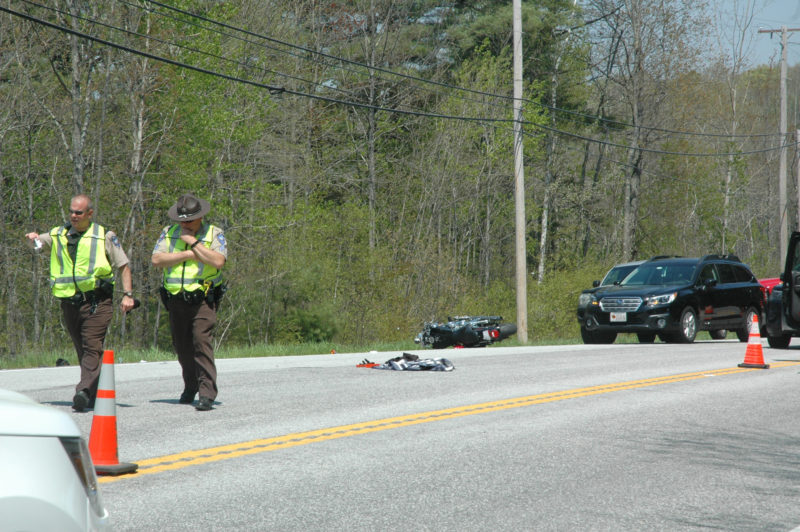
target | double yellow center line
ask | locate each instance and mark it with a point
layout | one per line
(214, 454)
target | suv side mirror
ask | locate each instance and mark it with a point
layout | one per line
(595, 284)
(709, 283)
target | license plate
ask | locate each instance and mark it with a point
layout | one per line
(618, 316)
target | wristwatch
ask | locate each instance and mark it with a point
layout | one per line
(128, 293)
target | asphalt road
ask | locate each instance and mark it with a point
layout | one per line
(619, 437)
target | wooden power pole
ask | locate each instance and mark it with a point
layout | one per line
(519, 182)
(783, 218)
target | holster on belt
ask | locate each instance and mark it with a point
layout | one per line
(76, 300)
(215, 294)
(212, 295)
(92, 297)
(164, 297)
(105, 288)
(192, 298)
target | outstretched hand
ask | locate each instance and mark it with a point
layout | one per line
(128, 304)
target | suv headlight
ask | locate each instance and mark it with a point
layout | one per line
(584, 299)
(663, 299)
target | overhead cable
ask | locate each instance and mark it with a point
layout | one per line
(279, 90)
(446, 85)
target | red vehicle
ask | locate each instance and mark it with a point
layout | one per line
(770, 283)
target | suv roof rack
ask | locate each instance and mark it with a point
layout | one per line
(730, 257)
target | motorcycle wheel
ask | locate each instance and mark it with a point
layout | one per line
(506, 330)
(437, 342)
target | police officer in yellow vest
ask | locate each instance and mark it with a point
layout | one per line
(192, 254)
(83, 255)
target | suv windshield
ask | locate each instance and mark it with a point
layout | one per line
(617, 274)
(664, 274)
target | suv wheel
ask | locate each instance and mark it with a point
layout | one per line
(779, 342)
(587, 336)
(718, 334)
(744, 334)
(688, 326)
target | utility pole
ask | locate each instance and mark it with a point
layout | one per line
(519, 182)
(784, 222)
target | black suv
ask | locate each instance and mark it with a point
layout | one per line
(614, 276)
(674, 298)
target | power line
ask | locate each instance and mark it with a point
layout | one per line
(307, 52)
(441, 84)
(318, 53)
(359, 64)
(278, 90)
(658, 175)
(184, 47)
(272, 89)
(233, 78)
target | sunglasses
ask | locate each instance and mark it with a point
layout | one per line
(76, 213)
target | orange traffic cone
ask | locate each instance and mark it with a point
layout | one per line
(103, 437)
(754, 356)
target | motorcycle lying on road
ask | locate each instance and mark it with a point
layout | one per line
(465, 331)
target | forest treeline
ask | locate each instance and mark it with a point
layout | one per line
(359, 155)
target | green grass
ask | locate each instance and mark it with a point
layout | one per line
(35, 359)
(278, 350)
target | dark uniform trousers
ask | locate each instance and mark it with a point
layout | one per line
(88, 331)
(191, 326)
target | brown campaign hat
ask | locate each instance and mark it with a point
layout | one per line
(188, 207)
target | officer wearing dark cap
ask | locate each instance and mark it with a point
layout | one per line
(192, 254)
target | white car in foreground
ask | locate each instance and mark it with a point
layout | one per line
(47, 480)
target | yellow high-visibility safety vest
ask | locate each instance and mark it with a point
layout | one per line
(90, 266)
(190, 275)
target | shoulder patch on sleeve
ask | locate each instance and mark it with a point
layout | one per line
(221, 239)
(161, 238)
(115, 241)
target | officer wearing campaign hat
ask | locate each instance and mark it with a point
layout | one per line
(192, 254)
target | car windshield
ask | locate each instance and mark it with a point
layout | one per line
(617, 274)
(664, 274)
